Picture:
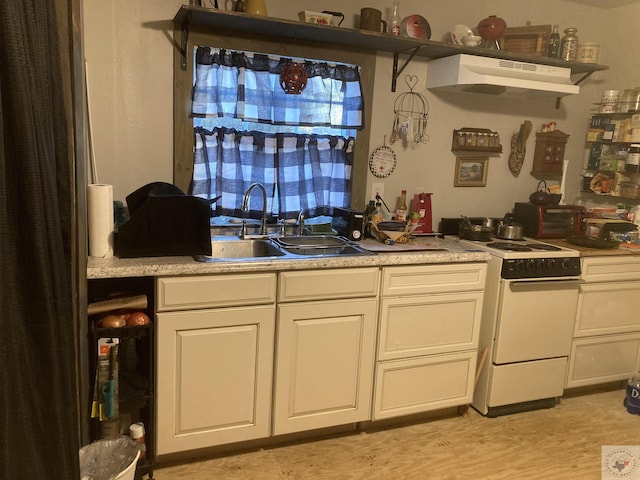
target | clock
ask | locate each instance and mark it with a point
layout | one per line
(382, 162)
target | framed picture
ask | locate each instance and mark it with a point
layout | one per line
(471, 172)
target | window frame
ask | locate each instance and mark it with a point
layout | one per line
(183, 85)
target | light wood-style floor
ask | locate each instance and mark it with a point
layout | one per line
(559, 443)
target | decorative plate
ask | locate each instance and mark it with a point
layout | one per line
(382, 162)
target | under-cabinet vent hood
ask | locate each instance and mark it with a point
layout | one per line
(494, 76)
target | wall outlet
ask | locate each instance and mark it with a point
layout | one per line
(377, 188)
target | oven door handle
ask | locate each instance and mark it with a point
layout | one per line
(560, 281)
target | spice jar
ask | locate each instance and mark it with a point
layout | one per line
(569, 45)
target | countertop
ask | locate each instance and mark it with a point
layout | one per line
(593, 252)
(417, 251)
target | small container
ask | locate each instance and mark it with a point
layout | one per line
(633, 159)
(588, 52)
(625, 100)
(569, 45)
(630, 190)
(632, 399)
(609, 101)
(136, 432)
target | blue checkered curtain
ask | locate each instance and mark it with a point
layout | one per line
(247, 86)
(311, 172)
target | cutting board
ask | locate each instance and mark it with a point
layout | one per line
(590, 252)
(379, 247)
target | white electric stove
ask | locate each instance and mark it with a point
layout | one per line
(527, 323)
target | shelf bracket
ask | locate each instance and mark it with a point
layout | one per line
(580, 80)
(184, 40)
(396, 71)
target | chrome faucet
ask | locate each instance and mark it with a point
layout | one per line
(245, 209)
(301, 218)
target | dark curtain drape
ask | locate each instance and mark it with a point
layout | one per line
(38, 411)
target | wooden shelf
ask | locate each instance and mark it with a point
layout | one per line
(190, 15)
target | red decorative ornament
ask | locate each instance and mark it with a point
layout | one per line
(492, 27)
(293, 78)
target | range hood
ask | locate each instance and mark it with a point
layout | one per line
(495, 76)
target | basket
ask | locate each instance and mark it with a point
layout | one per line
(389, 236)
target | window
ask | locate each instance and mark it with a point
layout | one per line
(248, 129)
(183, 91)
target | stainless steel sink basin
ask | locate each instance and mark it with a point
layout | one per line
(320, 246)
(327, 251)
(312, 241)
(231, 248)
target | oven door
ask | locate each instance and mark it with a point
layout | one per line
(535, 319)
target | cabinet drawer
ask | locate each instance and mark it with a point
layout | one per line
(605, 308)
(603, 359)
(328, 284)
(188, 293)
(417, 385)
(611, 268)
(439, 278)
(425, 325)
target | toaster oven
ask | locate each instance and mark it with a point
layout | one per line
(549, 221)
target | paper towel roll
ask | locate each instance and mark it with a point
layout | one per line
(100, 219)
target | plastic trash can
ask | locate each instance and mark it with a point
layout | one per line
(109, 459)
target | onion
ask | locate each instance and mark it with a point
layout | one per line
(137, 318)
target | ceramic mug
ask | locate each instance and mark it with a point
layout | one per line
(371, 19)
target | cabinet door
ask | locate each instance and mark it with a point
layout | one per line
(215, 386)
(324, 364)
(429, 324)
(422, 384)
(602, 359)
(605, 308)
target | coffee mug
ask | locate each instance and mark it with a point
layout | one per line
(371, 19)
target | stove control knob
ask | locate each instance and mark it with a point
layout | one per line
(565, 264)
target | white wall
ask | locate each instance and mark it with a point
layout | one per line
(128, 47)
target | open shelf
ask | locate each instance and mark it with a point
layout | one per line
(190, 16)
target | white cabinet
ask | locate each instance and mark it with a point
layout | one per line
(324, 348)
(214, 365)
(428, 339)
(606, 337)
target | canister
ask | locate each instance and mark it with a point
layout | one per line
(609, 101)
(588, 52)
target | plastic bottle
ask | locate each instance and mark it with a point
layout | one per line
(136, 432)
(368, 218)
(401, 212)
(553, 46)
(377, 216)
(632, 400)
(395, 19)
(569, 45)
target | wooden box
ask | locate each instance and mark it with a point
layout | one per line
(549, 154)
(530, 39)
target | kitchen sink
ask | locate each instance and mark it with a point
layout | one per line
(231, 248)
(225, 249)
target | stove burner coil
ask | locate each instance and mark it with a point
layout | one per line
(514, 247)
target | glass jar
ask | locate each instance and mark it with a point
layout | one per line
(633, 159)
(569, 45)
(553, 45)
